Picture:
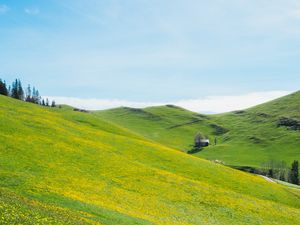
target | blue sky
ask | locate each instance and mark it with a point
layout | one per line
(151, 51)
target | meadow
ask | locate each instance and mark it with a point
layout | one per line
(253, 134)
(63, 167)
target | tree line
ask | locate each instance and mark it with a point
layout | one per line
(280, 171)
(31, 94)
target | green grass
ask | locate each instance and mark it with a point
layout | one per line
(287, 184)
(246, 138)
(169, 125)
(65, 167)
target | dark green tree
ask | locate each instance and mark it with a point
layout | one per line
(9, 90)
(17, 90)
(294, 173)
(34, 95)
(36, 98)
(28, 97)
(3, 88)
(20, 91)
(14, 89)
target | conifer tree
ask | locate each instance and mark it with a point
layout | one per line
(28, 97)
(9, 90)
(20, 91)
(33, 95)
(294, 173)
(14, 89)
(3, 88)
(17, 90)
(37, 97)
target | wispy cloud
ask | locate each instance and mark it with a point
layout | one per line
(32, 10)
(210, 104)
(219, 104)
(3, 9)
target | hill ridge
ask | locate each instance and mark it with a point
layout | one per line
(119, 176)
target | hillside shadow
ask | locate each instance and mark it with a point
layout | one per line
(194, 150)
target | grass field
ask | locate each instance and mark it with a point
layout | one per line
(244, 138)
(63, 167)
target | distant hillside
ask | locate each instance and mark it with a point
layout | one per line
(169, 125)
(244, 138)
(255, 135)
(63, 167)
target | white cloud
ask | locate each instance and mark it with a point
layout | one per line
(210, 104)
(219, 104)
(3, 9)
(95, 104)
(32, 10)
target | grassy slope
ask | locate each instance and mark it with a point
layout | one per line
(169, 125)
(253, 134)
(69, 167)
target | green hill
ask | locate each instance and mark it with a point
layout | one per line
(255, 136)
(244, 138)
(169, 125)
(63, 167)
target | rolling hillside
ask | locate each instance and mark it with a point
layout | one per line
(63, 167)
(254, 135)
(244, 138)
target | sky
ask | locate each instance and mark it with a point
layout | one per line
(207, 56)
